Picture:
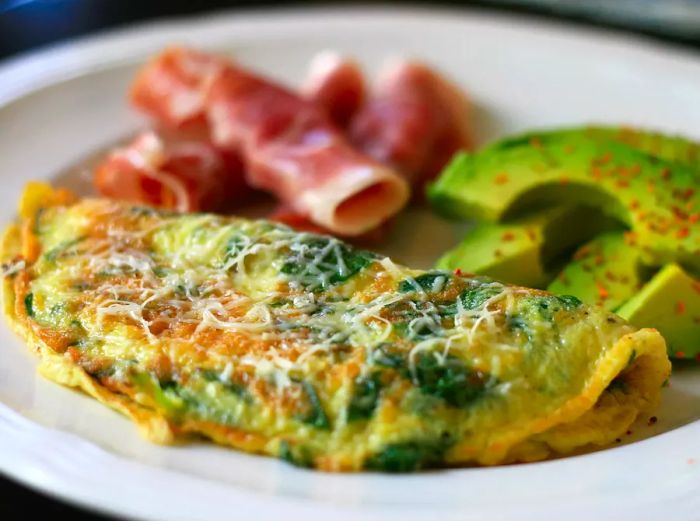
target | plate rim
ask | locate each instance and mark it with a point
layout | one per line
(26, 74)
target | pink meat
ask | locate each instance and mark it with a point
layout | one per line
(415, 122)
(337, 84)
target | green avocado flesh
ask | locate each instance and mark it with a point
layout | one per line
(527, 190)
(525, 251)
(670, 302)
(657, 199)
(605, 271)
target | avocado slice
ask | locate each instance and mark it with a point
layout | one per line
(606, 271)
(526, 251)
(657, 199)
(670, 302)
(677, 149)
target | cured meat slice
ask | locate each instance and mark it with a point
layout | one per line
(415, 122)
(337, 84)
(288, 144)
(184, 175)
(172, 88)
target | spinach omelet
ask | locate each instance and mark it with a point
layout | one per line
(299, 346)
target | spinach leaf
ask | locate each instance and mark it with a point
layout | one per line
(321, 262)
(409, 456)
(450, 380)
(365, 397)
(476, 297)
(383, 355)
(432, 281)
(316, 416)
(570, 302)
(297, 456)
(29, 304)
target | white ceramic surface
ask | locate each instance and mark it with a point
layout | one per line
(58, 106)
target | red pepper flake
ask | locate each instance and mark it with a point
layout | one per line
(605, 158)
(650, 187)
(569, 149)
(697, 358)
(634, 204)
(692, 219)
(507, 236)
(498, 253)
(622, 183)
(653, 420)
(630, 238)
(532, 234)
(679, 354)
(603, 293)
(696, 285)
(582, 253)
(635, 169)
(458, 272)
(563, 278)
(596, 173)
(599, 260)
(564, 180)
(610, 276)
(535, 142)
(666, 173)
(501, 179)
(680, 307)
(682, 233)
(629, 433)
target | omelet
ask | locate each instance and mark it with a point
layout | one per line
(298, 346)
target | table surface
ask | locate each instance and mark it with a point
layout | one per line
(26, 25)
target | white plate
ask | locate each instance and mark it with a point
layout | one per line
(60, 105)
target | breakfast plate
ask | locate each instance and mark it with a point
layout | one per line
(58, 107)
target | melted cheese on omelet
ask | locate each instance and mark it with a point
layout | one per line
(297, 345)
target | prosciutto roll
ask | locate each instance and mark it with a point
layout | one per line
(337, 84)
(415, 122)
(185, 175)
(288, 144)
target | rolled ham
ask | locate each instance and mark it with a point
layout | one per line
(335, 83)
(288, 144)
(415, 122)
(186, 175)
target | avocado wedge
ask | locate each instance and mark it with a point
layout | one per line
(657, 199)
(676, 149)
(670, 302)
(606, 271)
(526, 251)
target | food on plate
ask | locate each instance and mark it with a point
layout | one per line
(604, 271)
(335, 83)
(415, 121)
(292, 219)
(336, 160)
(640, 190)
(528, 250)
(646, 181)
(670, 301)
(300, 346)
(288, 144)
(186, 175)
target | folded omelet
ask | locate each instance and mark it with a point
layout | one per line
(299, 346)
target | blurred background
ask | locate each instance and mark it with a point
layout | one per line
(27, 25)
